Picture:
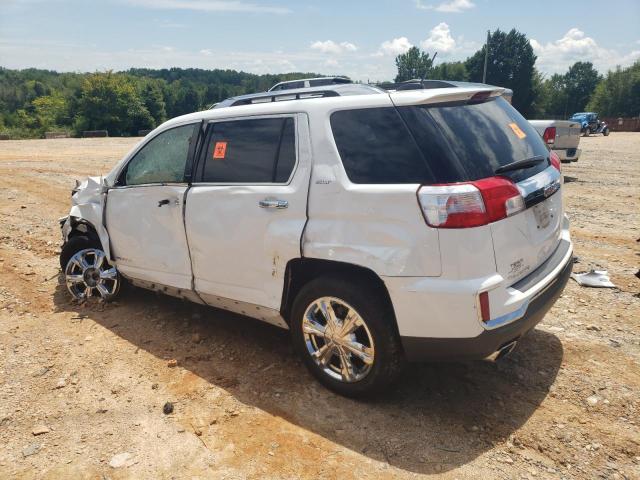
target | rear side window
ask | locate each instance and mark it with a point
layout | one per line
(435, 144)
(250, 151)
(375, 147)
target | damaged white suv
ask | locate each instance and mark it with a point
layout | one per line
(377, 226)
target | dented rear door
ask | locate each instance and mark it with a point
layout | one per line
(245, 214)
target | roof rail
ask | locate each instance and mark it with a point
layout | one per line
(284, 96)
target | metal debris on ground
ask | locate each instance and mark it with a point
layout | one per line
(593, 278)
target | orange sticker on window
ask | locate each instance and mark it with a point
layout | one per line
(517, 130)
(220, 150)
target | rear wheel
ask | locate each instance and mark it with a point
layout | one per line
(587, 132)
(345, 335)
(87, 272)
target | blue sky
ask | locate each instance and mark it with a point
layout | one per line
(359, 39)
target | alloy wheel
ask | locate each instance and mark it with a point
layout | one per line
(88, 274)
(338, 339)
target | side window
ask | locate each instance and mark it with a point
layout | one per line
(163, 159)
(250, 151)
(376, 147)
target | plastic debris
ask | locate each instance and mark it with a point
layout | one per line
(593, 278)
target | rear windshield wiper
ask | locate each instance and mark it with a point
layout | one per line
(521, 164)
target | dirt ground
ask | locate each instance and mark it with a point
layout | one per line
(82, 388)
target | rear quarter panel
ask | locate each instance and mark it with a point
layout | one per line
(379, 227)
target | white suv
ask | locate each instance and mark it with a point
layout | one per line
(377, 226)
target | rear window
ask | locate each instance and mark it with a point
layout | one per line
(436, 144)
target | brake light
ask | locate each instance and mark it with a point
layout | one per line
(472, 204)
(555, 161)
(549, 135)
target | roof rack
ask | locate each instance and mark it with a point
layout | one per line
(299, 94)
(281, 97)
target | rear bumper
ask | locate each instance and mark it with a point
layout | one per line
(568, 154)
(490, 341)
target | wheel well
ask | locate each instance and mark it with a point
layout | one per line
(80, 226)
(300, 271)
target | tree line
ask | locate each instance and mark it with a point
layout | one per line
(511, 64)
(34, 101)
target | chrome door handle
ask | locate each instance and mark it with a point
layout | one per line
(273, 204)
(166, 201)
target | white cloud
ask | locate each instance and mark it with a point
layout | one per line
(206, 52)
(330, 46)
(208, 6)
(574, 46)
(440, 40)
(394, 47)
(452, 6)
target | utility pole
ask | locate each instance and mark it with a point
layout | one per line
(486, 58)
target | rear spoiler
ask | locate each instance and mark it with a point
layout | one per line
(443, 95)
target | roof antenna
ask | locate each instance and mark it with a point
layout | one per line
(432, 60)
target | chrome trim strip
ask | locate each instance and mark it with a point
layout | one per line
(508, 318)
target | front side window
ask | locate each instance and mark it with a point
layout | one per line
(250, 151)
(163, 159)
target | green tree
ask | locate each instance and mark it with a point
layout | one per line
(51, 110)
(414, 63)
(450, 71)
(154, 102)
(110, 102)
(510, 64)
(618, 95)
(553, 100)
(580, 83)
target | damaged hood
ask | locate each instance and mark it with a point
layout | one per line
(88, 191)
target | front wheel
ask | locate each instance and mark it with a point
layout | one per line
(587, 132)
(345, 334)
(87, 273)
(605, 132)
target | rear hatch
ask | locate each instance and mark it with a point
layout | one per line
(485, 144)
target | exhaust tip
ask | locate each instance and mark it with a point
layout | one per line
(502, 351)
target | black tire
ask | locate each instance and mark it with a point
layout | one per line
(605, 132)
(587, 132)
(73, 246)
(378, 316)
(82, 242)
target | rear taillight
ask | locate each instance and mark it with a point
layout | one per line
(549, 136)
(464, 205)
(555, 161)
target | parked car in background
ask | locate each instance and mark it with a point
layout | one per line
(378, 227)
(561, 136)
(309, 82)
(590, 123)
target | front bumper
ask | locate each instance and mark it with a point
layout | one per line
(489, 341)
(568, 154)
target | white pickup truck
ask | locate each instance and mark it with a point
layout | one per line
(562, 136)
